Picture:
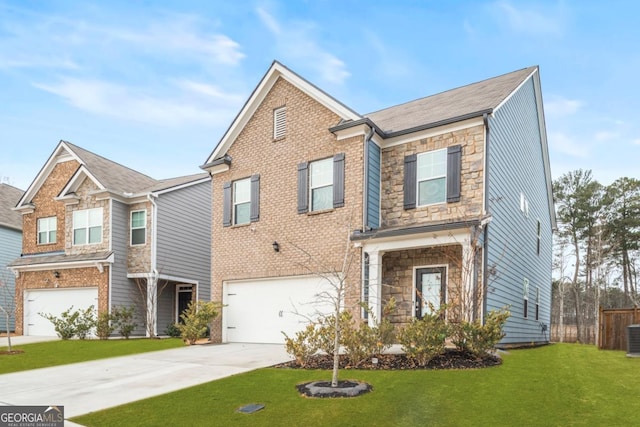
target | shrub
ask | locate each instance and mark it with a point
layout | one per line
(423, 339)
(85, 322)
(362, 341)
(481, 339)
(104, 326)
(172, 330)
(123, 319)
(304, 345)
(197, 318)
(65, 325)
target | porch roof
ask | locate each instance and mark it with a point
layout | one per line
(431, 227)
(59, 259)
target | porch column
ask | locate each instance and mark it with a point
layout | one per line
(152, 303)
(468, 273)
(375, 286)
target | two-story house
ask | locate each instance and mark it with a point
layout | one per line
(446, 201)
(10, 247)
(99, 233)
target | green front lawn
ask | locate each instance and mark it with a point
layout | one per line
(557, 385)
(52, 353)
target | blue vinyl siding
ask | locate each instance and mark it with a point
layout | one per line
(184, 236)
(10, 249)
(373, 185)
(516, 166)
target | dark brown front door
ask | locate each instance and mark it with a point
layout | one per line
(430, 290)
(184, 298)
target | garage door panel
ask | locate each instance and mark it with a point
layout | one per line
(260, 311)
(54, 302)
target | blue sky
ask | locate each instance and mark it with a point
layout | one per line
(153, 85)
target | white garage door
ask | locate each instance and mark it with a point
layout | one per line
(54, 301)
(259, 311)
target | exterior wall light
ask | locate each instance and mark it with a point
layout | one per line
(276, 246)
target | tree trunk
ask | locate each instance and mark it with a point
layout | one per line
(561, 322)
(576, 291)
(336, 351)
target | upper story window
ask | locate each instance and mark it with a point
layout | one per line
(87, 226)
(279, 122)
(47, 230)
(432, 177)
(138, 227)
(241, 201)
(321, 184)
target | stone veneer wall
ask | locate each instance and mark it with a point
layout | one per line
(87, 201)
(393, 213)
(69, 278)
(139, 256)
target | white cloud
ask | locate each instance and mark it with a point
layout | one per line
(564, 144)
(295, 41)
(208, 90)
(527, 20)
(636, 141)
(559, 106)
(603, 136)
(108, 99)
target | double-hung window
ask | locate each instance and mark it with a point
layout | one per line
(242, 201)
(432, 177)
(138, 227)
(87, 226)
(321, 184)
(47, 230)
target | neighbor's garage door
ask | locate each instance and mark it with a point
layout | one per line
(54, 301)
(259, 311)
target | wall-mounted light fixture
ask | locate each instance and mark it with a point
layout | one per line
(276, 246)
(56, 274)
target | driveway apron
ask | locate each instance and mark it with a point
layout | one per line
(91, 386)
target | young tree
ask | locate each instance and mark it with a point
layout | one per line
(148, 291)
(7, 308)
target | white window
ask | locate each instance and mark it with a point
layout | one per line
(279, 122)
(432, 177)
(87, 226)
(525, 296)
(138, 227)
(321, 184)
(242, 201)
(47, 230)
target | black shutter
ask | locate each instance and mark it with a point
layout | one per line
(338, 180)
(226, 204)
(303, 187)
(454, 165)
(255, 198)
(410, 165)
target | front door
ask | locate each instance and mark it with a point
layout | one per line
(430, 290)
(183, 299)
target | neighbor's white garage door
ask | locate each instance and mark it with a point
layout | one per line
(259, 311)
(54, 301)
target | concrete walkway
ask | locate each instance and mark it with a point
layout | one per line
(91, 386)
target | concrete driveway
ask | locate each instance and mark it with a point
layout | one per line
(90, 386)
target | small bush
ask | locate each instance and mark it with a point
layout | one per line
(123, 319)
(172, 330)
(85, 322)
(65, 325)
(326, 329)
(304, 345)
(481, 339)
(104, 326)
(197, 318)
(423, 339)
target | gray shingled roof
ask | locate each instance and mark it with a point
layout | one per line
(456, 103)
(56, 258)
(9, 198)
(115, 177)
(165, 184)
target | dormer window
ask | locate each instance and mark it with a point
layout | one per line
(279, 122)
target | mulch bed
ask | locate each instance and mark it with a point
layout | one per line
(9, 353)
(450, 359)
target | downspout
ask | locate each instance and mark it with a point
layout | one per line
(153, 270)
(485, 243)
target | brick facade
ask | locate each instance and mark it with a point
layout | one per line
(69, 278)
(87, 201)
(472, 180)
(245, 251)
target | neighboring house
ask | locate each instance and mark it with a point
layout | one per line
(448, 199)
(10, 247)
(98, 233)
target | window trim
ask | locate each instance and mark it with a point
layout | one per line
(445, 176)
(234, 203)
(329, 160)
(87, 228)
(47, 231)
(525, 296)
(131, 228)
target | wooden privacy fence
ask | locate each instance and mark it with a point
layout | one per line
(613, 327)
